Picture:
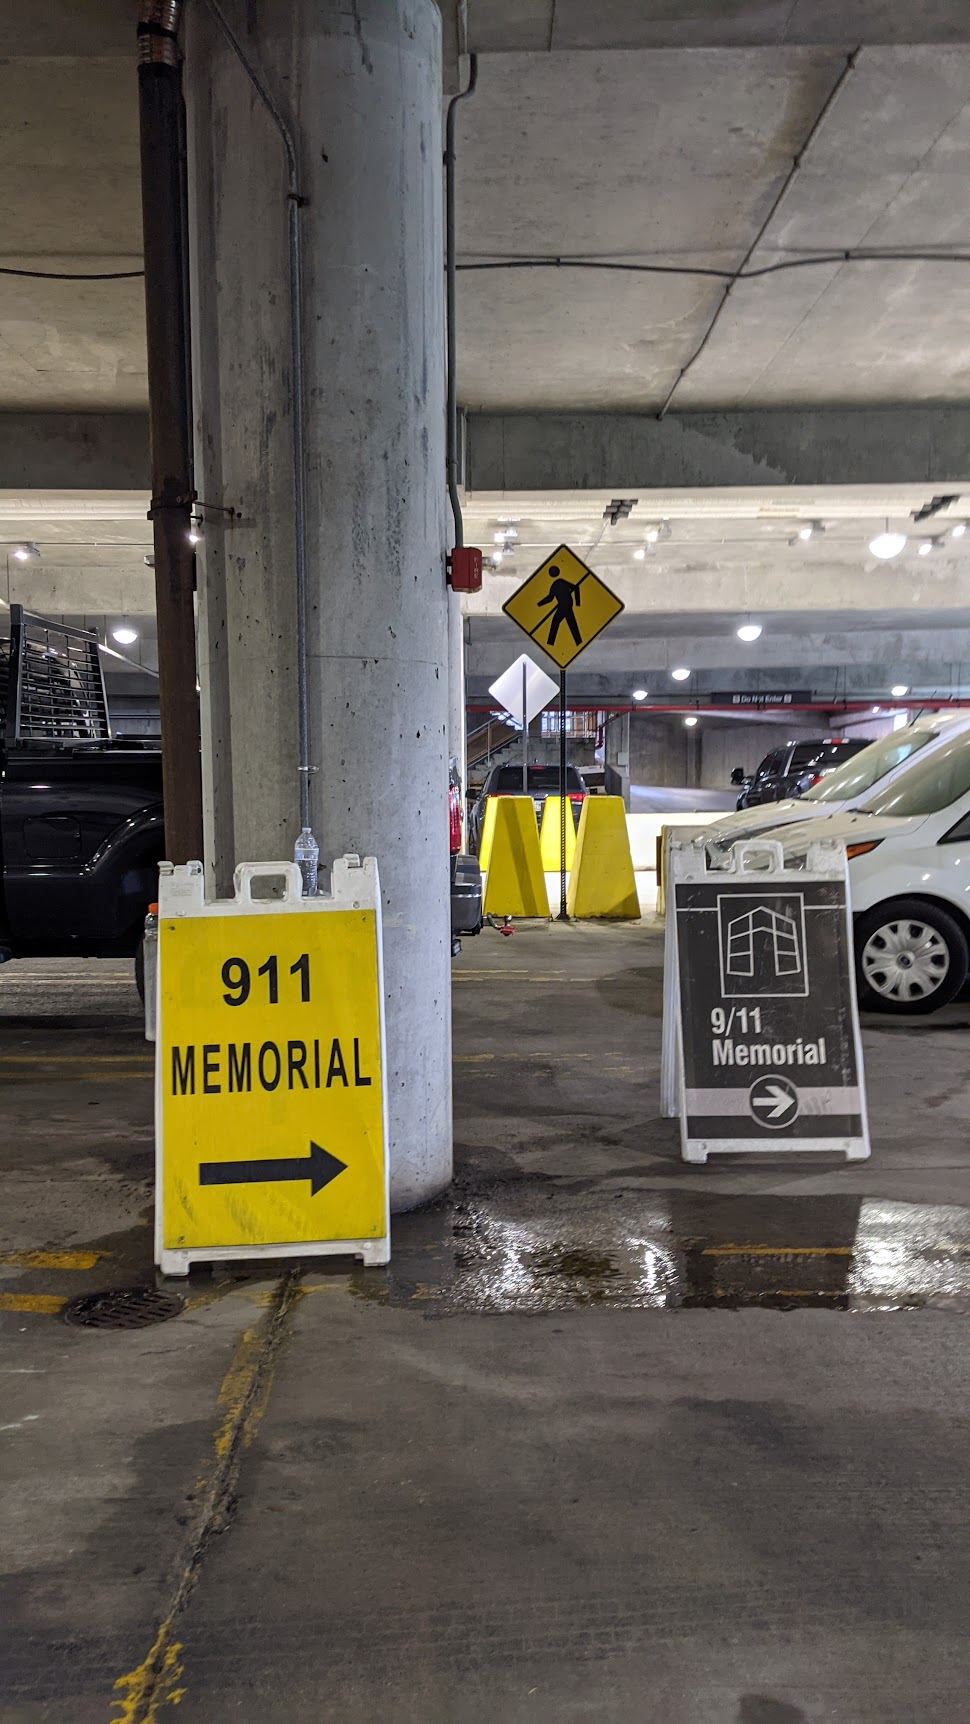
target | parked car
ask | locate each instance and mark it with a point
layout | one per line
(794, 769)
(542, 781)
(908, 845)
(466, 876)
(843, 789)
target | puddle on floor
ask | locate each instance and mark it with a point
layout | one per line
(530, 1247)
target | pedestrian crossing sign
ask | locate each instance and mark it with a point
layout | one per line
(563, 606)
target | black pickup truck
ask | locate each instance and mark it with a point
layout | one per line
(81, 832)
(81, 829)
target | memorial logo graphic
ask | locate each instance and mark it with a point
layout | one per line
(762, 946)
(773, 1101)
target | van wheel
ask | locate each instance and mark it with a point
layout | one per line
(140, 970)
(910, 957)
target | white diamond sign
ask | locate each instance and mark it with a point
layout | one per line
(539, 689)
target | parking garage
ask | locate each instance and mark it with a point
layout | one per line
(600, 1423)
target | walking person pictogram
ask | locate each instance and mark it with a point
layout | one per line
(565, 596)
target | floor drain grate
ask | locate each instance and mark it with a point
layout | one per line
(122, 1308)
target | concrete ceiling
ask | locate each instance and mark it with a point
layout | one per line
(834, 618)
(674, 158)
(655, 133)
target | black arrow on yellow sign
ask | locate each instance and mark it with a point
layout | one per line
(319, 1167)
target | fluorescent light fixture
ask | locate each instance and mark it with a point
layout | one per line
(749, 631)
(640, 693)
(681, 673)
(124, 636)
(886, 545)
(639, 553)
(959, 530)
(690, 720)
(899, 689)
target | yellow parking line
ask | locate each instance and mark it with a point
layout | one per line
(53, 1259)
(74, 1059)
(46, 1304)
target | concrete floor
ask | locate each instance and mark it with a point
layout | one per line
(612, 1438)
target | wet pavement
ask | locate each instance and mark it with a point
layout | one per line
(611, 1437)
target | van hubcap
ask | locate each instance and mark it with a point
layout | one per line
(905, 960)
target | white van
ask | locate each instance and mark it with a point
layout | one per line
(839, 791)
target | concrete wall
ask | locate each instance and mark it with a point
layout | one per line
(724, 746)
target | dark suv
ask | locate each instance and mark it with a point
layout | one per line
(792, 770)
(542, 781)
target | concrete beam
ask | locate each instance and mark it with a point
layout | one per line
(54, 590)
(637, 451)
(74, 451)
(547, 25)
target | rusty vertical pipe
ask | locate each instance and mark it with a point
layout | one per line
(162, 127)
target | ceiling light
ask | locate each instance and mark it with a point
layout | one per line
(640, 693)
(959, 530)
(639, 553)
(886, 545)
(877, 709)
(499, 538)
(925, 548)
(194, 536)
(26, 553)
(899, 689)
(749, 631)
(805, 532)
(124, 636)
(690, 720)
(149, 561)
(510, 533)
(652, 535)
(496, 558)
(680, 674)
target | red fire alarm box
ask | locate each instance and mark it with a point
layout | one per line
(465, 569)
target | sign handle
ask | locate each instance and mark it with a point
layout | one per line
(563, 917)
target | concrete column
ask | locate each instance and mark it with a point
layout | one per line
(360, 86)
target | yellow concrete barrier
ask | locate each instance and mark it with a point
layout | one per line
(515, 884)
(602, 882)
(549, 835)
(488, 833)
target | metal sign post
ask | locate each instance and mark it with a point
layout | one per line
(563, 916)
(562, 607)
(525, 725)
(761, 1030)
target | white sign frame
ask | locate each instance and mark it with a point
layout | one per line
(763, 862)
(355, 885)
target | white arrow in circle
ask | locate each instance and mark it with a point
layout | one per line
(777, 1099)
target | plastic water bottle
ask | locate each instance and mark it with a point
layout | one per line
(150, 970)
(306, 854)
